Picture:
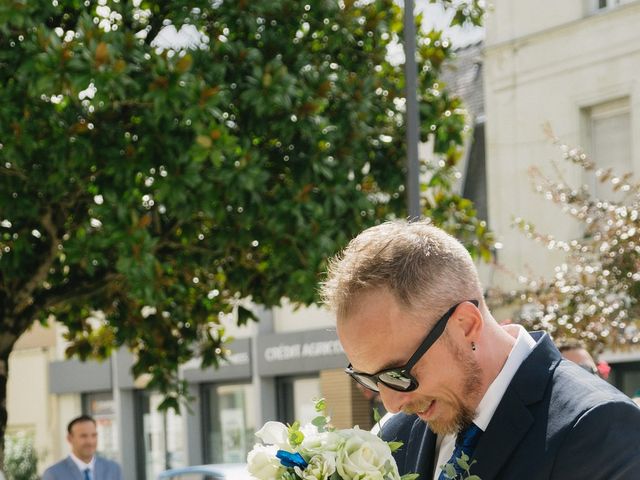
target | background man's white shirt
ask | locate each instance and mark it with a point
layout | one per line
(83, 466)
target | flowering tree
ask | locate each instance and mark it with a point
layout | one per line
(160, 160)
(594, 295)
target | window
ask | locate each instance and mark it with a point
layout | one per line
(608, 129)
(101, 407)
(160, 438)
(230, 423)
(626, 377)
(296, 398)
(605, 4)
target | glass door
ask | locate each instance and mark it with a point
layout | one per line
(230, 422)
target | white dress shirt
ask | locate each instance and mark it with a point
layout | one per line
(492, 397)
(83, 466)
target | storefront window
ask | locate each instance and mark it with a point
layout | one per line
(626, 377)
(230, 422)
(161, 436)
(101, 407)
(297, 397)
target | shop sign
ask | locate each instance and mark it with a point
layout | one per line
(236, 366)
(299, 352)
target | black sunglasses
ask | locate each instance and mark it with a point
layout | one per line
(400, 379)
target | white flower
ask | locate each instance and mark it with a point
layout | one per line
(275, 433)
(321, 442)
(263, 463)
(320, 467)
(365, 456)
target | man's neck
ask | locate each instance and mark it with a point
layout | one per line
(83, 459)
(496, 351)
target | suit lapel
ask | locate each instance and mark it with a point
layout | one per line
(513, 418)
(73, 469)
(422, 441)
(99, 469)
(510, 423)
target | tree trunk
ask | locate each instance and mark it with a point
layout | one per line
(7, 341)
(4, 373)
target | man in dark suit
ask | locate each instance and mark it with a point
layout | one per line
(83, 463)
(414, 325)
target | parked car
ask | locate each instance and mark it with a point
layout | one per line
(219, 471)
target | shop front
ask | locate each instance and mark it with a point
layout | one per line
(308, 365)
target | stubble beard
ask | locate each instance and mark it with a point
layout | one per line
(463, 415)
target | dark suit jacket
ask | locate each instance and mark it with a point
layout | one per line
(555, 421)
(67, 470)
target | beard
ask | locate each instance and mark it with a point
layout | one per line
(460, 414)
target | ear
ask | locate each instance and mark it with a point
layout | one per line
(468, 319)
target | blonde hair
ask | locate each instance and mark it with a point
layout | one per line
(424, 268)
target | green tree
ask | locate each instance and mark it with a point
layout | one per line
(594, 294)
(158, 183)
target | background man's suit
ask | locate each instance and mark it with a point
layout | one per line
(67, 470)
(555, 421)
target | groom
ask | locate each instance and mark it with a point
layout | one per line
(414, 325)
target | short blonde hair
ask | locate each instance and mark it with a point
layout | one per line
(424, 268)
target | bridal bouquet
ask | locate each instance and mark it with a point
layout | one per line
(317, 451)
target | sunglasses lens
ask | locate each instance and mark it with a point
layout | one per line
(396, 380)
(366, 382)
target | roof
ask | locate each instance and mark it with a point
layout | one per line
(463, 76)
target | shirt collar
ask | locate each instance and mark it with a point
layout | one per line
(492, 397)
(82, 466)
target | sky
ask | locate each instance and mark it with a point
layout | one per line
(434, 16)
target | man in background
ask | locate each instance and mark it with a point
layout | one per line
(83, 463)
(575, 351)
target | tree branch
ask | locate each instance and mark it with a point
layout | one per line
(71, 291)
(24, 295)
(13, 172)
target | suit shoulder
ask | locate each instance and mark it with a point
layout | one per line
(51, 473)
(108, 462)
(579, 397)
(574, 385)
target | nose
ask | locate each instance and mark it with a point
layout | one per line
(393, 400)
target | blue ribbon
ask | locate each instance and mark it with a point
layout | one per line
(289, 459)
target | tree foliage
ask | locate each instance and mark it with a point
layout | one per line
(594, 295)
(160, 161)
(21, 458)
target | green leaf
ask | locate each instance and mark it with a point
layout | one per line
(244, 315)
(393, 446)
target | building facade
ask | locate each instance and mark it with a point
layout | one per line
(277, 369)
(574, 66)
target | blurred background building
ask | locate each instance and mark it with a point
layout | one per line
(277, 368)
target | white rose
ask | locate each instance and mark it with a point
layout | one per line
(320, 467)
(263, 463)
(274, 433)
(365, 456)
(320, 443)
